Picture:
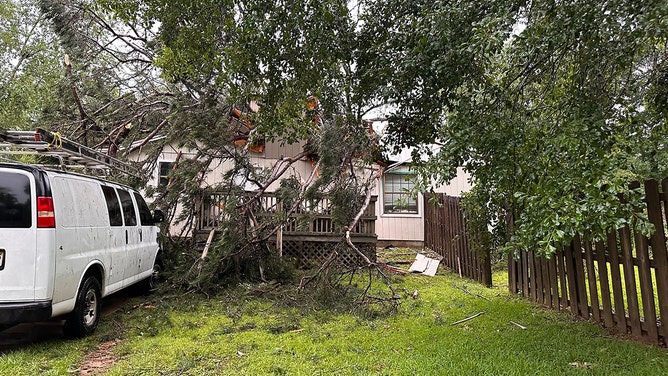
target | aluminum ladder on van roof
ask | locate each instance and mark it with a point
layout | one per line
(48, 143)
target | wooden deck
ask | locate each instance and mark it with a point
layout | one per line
(308, 236)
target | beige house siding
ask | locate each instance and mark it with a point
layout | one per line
(408, 229)
(396, 229)
(272, 152)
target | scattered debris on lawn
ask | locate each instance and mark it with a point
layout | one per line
(424, 265)
(394, 269)
(466, 290)
(581, 365)
(468, 318)
(518, 325)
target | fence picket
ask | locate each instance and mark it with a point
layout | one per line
(605, 285)
(658, 243)
(512, 277)
(524, 257)
(618, 295)
(646, 286)
(540, 279)
(591, 277)
(553, 290)
(570, 275)
(561, 275)
(581, 283)
(630, 281)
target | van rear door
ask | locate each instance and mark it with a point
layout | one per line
(18, 248)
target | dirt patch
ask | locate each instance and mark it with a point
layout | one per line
(99, 360)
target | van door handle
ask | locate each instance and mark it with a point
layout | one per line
(126, 236)
(140, 236)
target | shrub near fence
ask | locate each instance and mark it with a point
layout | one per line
(621, 282)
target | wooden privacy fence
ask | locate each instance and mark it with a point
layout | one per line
(445, 234)
(621, 283)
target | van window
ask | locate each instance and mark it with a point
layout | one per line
(128, 208)
(15, 201)
(113, 206)
(145, 217)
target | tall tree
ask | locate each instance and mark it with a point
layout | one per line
(30, 64)
(183, 69)
(553, 107)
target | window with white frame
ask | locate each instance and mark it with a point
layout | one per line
(398, 197)
(163, 174)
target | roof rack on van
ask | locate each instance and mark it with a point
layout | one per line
(70, 153)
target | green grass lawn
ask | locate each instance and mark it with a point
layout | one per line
(249, 330)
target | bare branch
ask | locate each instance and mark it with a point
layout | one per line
(148, 138)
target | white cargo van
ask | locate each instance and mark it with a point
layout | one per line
(66, 241)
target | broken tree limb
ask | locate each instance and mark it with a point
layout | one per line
(394, 269)
(468, 318)
(518, 325)
(148, 138)
(307, 279)
(367, 200)
(352, 225)
(209, 240)
(82, 112)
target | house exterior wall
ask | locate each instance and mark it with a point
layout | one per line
(408, 229)
(396, 229)
(272, 152)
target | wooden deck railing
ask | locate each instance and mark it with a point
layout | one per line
(310, 218)
(307, 236)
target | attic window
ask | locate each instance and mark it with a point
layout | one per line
(397, 196)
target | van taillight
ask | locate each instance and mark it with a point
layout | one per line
(45, 215)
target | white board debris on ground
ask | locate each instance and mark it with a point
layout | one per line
(424, 265)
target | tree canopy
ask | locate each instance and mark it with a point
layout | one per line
(553, 107)
(30, 68)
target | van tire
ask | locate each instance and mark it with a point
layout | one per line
(86, 315)
(149, 284)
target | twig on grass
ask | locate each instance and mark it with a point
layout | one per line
(393, 269)
(469, 292)
(468, 318)
(518, 325)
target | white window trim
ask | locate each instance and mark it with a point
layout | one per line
(156, 175)
(381, 205)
